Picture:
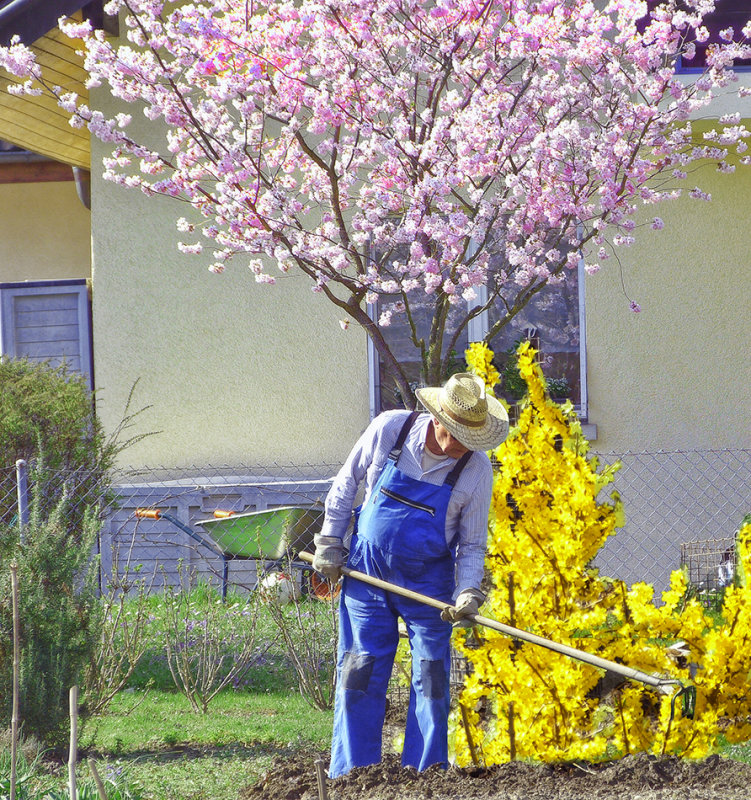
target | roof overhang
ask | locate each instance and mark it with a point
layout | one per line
(31, 19)
(37, 123)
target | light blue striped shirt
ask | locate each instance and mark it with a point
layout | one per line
(468, 507)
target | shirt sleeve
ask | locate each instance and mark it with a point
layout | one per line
(473, 532)
(340, 499)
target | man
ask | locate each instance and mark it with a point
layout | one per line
(422, 525)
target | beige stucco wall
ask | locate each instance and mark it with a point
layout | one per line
(236, 373)
(44, 232)
(678, 374)
(241, 373)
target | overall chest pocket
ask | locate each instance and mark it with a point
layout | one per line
(407, 501)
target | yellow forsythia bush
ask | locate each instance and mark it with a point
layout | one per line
(548, 520)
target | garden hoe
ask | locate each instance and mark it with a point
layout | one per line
(664, 685)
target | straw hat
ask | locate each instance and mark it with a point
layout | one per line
(471, 416)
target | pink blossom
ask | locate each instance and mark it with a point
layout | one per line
(360, 181)
(385, 319)
(619, 240)
(75, 30)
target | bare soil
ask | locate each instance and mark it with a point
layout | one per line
(638, 777)
(632, 778)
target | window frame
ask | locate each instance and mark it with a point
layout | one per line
(476, 330)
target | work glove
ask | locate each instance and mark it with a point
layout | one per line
(467, 603)
(328, 558)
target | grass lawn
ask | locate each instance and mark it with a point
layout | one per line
(160, 746)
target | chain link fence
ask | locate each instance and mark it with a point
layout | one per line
(226, 525)
(671, 499)
(234, 525)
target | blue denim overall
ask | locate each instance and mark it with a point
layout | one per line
(399, 537)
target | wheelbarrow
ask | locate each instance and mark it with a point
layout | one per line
(275, 535)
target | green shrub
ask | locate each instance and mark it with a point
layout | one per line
(58, 616)
(43, 409)
(48, 408)
(47, 418)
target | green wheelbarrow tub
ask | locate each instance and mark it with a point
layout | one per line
(267, 534)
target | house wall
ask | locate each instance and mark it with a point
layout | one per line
(234, 372)
(678, 374)
(238, 372)
(44, 232)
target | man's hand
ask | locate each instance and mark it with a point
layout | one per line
(329, 557)
(467, 604)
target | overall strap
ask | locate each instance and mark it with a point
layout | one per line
(396, 450)
(453, 476)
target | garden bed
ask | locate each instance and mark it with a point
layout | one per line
(639, 777)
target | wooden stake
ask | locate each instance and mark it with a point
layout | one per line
(97, 780)
(16, 670)
(73, 755)
(468, 733)
(321, 778)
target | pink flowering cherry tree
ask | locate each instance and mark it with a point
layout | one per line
(444, 156)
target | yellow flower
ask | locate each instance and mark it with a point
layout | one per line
(548, 520)
(479, 358)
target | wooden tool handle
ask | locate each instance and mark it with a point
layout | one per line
(516, 633)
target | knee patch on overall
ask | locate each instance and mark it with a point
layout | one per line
(433, 675)
(356, 671)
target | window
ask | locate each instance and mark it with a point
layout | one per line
(47, 321)
(727, 14)
(554, 319)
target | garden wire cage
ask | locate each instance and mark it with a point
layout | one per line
(711, 566)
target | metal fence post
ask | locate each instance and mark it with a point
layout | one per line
(22, 484)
